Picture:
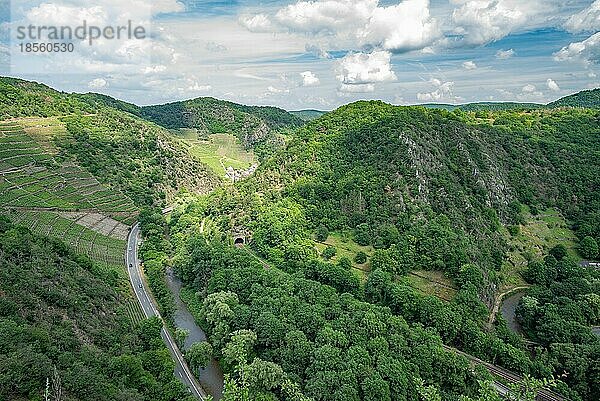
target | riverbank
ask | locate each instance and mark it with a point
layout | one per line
(211, 378)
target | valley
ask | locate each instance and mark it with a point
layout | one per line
(379, 242)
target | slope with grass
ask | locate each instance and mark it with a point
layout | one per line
(217, 151)
(124, 152)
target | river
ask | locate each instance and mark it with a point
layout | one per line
(508, 310)
(210, 378)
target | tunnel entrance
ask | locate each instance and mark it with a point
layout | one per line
(239, 241)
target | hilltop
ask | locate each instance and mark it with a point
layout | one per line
(252, 125)
(588, 98)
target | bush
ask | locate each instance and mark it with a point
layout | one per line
(589, 248)
(360, 258)
(328, 252)
(559, 252)
(322, 234)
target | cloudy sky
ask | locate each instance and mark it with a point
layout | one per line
(318, 54)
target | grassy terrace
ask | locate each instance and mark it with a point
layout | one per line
(428, 282)
(35, 187)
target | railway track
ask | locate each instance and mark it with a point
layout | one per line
(508, 376)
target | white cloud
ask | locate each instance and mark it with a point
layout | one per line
(443, 91)
(330, 16)
(196, 87)
(402, 27)
(505, 54)
(360, 88)
(309, 79)
(317, 51)
(552, 85)
(272, 89)
(469, 65)
(585, 21)
(97, 83)
(154, 69)
(587, 51)
(256, 23)
(215, 47)
(405, 26)
(362, 68)
(530, 92)
(529, 88)
(485, 21)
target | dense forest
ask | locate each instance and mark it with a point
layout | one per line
(558, 312)
(64, 329)
(428, 190)
(589, 98)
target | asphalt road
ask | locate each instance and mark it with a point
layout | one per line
(182, 371)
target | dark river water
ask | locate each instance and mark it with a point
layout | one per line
(210, 378)
(508, 308)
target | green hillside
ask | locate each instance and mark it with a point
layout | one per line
(435, 184)
(442, 205)
(123, 152)
(19, 98)
(62, 327)
(252, 125)
(589, 99)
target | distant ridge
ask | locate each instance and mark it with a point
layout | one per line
(308, 114)
(586, 99)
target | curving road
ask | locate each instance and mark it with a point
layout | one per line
(182, 371)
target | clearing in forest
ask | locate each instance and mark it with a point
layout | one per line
(217, 151)
(534, 239)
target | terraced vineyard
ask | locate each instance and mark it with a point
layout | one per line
(107, 252)
(64, 201)
(31, 178)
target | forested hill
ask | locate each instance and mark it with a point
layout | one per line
(62, 320)
(585, 99)
(436, 186)
(360, 202)
(20, 98)
(589, 98)
(251, 124)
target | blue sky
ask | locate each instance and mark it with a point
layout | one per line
(321, 53)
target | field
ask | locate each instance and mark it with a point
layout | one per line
(432, 283)
(534, 240)
(32, 178)
(347, 247)
(218, 151)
